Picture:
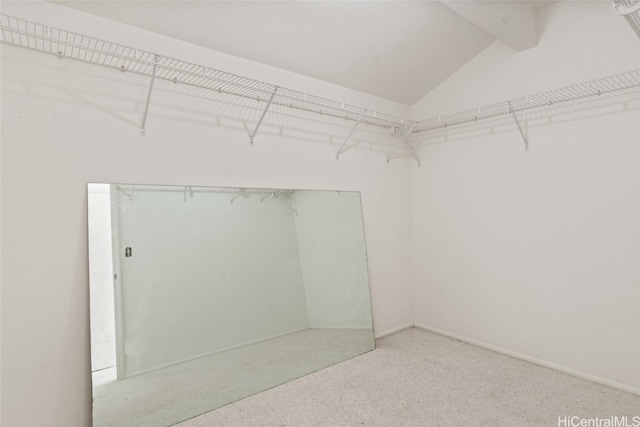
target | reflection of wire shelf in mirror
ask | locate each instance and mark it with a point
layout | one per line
(189, 192)
(67, 44)
(400, 137)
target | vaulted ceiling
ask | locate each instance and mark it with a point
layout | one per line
(398, 50)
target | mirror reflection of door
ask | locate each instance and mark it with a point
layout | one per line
(103, 329)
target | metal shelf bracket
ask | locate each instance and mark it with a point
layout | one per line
(264, 113)
(524, 137)
(342, 149)
(403, 143)
(146, 107)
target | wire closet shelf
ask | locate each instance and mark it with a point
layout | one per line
(587, 93)
(409, 135)
(67, 44)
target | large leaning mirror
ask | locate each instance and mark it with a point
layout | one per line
(203, 296)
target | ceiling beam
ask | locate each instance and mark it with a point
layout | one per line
(513, 22)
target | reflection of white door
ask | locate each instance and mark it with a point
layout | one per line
(103, 330)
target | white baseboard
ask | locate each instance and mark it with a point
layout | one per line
(393, 331)
(359, 328)
(534, 360)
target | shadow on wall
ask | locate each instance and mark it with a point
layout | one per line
(614, 102)
(123, 95)
(126, 95)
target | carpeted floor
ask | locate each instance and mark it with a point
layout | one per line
(418, 378)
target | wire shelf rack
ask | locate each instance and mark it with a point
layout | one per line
(582, 93)
(407, 136)
(66, 44)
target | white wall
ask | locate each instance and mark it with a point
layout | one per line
(205, 274)
(333, 259)
(65, 124)
(536, 253)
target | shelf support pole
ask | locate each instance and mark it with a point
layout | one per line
(341, 149)
(402, 142)
(146, 107)
(264, 113)
(524, 137)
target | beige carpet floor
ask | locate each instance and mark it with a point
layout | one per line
(418, 378)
